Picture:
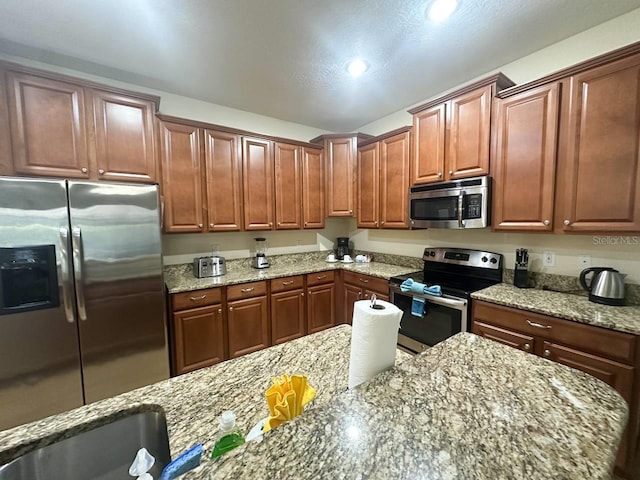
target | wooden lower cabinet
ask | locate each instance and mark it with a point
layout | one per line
(607, 355)
(321, 301)
(352, 293)
(287, 316)
(199, 338)
(248, 325)
(361, 287)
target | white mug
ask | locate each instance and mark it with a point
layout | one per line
(347, 258)
(331, 257)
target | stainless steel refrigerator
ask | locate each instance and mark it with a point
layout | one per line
(82, 313)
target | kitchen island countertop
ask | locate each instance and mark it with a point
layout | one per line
(563, 305)
(466, 409)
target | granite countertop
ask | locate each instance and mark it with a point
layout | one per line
(563, 305)
(179, 278)
(462, 410)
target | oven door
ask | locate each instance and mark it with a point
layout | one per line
(442, 318)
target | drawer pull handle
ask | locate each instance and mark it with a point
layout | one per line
(320, 277)
(363, 280)
(288, 283)
(538, 325)
(195, 299)
(527, 347)
(247, 290)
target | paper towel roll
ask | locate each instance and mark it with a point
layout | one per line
(374, 336)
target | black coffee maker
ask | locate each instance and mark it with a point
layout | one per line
(342, 248)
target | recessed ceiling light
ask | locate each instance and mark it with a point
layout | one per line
(441, 9)
(357, 67)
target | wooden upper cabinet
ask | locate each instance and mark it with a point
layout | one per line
(181, 177)
(429, 129)
(467, 150)
(124, 137)
(48, 126)
(340, 181)
(600, 158)
(288, 186)
(223, 179)
(257, 169)
(394, 181)
(313, 188)
(523, 164)
(368, 185)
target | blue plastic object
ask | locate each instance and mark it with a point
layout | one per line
(183, 463)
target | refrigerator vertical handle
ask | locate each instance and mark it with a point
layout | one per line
(78, 258)
(65, 268)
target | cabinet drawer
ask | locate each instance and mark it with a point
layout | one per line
(196, 298)
(601, 341)
(246, 290)
(287, 283)
(375, 284)
(506, 337)
(320, 278)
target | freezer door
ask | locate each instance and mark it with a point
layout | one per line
(117, 261)
(40, 368)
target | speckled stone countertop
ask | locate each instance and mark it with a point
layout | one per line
(466, 409)
(179, 278)
(562, 305)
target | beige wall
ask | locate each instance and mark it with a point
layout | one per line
(622, 252)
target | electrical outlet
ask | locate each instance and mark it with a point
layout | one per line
(584, 261)
(549, 259)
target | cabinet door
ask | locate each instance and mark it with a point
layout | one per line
(313, 188)
(429, 129)
(222, 156)
(199, 338)
(341, 166)
(469, 119)
(181, 177)
(248, 326)
(257, 170)
(601, 163)
(48, 127)
(524, 162)
(394, 181)
(504, 336)
(368, 186)
(321, 307)
(352, 294)
(124, 136)
(288, 186)
(287, 316)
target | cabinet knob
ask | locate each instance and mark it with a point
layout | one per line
(101, 171)
(547, 352)
(84, 169)
(220, 310)
(211, 225)
(278, 224)
(350, 211)
(439, 174)
(376, 223)
(200, 225)
(450, 172)
(527, 347)
(305, 224)
(547, 222)
(271, 224)
(302, 294)
(567, 222)
(231, 309)
(382, 222)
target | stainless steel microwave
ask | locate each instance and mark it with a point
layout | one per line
(458, 204)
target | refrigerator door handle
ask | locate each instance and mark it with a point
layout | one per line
(65, 268)
(78, 258)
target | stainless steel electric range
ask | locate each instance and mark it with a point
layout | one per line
(459, 272)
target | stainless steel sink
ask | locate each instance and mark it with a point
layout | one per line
(104, 453)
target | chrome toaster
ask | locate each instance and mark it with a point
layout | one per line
(212, 266)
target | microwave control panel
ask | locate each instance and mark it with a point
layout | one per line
(474, 206)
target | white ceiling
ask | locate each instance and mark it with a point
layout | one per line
(287, 58)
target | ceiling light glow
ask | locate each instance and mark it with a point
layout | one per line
(441, 9)
(357, 67)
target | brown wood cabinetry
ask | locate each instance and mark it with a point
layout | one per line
(360, 287)
(605, 354)
(247, 318)
(523, 164)
(198, 330)
(288, 312)
(288, 186)
(313, 188)
(66, 127)
(201, 178)
(452, 134)
(321, 301)
(383, 181)
(257, 170)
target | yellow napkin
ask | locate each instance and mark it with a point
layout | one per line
(286, 399)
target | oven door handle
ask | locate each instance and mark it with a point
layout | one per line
(448, 302)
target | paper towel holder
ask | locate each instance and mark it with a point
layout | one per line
(373, 303)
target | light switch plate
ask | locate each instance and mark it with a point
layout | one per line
(549, 259)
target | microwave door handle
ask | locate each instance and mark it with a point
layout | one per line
(460, 204)
(78, 258)
(65, 269)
